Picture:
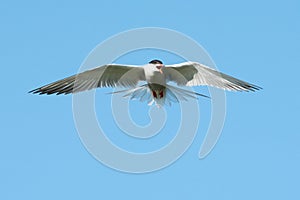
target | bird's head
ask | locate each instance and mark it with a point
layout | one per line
(158, 64)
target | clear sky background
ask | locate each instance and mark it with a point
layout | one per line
(258, 154)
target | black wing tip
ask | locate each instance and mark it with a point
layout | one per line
(253, 88)
(34, 91)
(246, 87)
(39, 91)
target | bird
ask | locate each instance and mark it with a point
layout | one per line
(149, 83)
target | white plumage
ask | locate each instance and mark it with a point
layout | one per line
(155, 76)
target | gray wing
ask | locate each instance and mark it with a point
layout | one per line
(195, 74)
(111, 75)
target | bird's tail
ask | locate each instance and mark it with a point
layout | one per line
(160, 95)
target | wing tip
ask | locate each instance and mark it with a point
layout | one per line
(39, 91)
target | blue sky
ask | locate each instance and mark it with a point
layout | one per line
(258, 154)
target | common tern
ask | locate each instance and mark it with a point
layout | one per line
(149, 82)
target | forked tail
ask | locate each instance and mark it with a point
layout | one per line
(161, 95)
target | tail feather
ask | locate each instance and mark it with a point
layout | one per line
(141, 93)
(185, 93)
(172, 95)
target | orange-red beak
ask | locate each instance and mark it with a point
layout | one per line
(159, 67)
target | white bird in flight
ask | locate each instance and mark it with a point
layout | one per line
(155, 76)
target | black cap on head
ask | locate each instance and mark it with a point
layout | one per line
(155, 62)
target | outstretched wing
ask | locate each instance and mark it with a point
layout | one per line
(111, 75)
(195, 74)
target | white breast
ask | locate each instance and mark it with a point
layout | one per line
(153, 75)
